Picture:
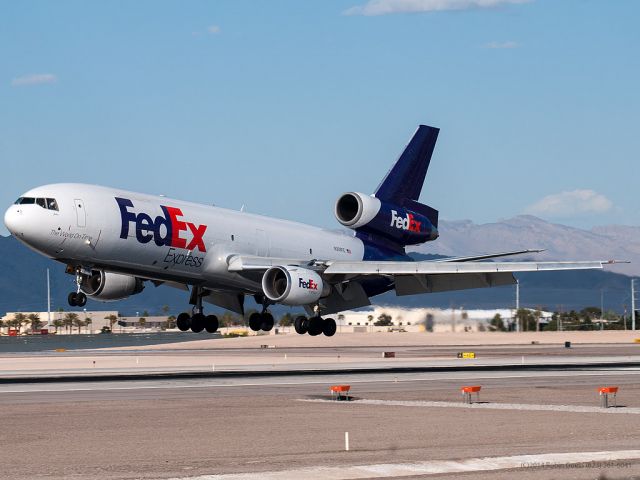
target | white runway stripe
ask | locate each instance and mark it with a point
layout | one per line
(392, 470)
(487, 406)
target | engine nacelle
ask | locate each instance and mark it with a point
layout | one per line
(292, 285)
(107, 286)
(410, 224)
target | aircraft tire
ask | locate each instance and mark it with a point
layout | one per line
(267, 322)
(197, 323)
(71, 298)
(81, 299)
(183, 322)
(255, 321)
(300, 325)
(329, 327)
(315, 326)
(211, 323)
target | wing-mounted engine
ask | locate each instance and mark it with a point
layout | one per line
(409, 224)
(107, 286)
(291, 285)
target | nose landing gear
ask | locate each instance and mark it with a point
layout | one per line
(77, 298)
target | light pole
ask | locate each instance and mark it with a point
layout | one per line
(633, 305)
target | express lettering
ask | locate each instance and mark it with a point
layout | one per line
(148, 229)
(187, 260)
(405, 223)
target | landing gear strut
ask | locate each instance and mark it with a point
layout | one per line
(198, 321)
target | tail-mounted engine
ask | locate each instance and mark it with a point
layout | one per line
(292, 285)
(108, 286)
(410, 224)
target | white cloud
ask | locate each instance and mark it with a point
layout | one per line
(385, 7)
(34, 79)
(214, 29)
(570, 204)
(507, 44)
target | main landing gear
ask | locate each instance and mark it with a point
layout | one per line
(261, 321)
(198, 321)
(315, 326)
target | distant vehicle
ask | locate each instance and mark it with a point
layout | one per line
(114, 241)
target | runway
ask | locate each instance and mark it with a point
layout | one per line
(275, 427)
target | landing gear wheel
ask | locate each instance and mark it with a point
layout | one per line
(183, 322)
(81, 299)
(211, 323)
(267, 322)
(300, 324)
(72, 299)
(197, 323)
(255, 321)
(329, 327)
(315, 326)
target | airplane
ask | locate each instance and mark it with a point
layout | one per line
(114, 241)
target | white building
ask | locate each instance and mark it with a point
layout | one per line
(421, 319)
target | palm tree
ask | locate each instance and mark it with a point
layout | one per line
(88, 321)
(112, 319)
(34, 320)
(19, 319)
(78, 322)
(58, 324)
(142, 322)
(69, 320)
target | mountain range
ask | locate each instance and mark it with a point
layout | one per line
(23, 272)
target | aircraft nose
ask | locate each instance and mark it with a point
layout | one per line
(14, 219)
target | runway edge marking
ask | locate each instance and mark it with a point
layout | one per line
(484, 406)
(434, 467)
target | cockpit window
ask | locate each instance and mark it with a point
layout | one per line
(52, 204)
(48, 203)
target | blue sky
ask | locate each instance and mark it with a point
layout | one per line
(284, 105)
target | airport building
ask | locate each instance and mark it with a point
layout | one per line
(419, 319)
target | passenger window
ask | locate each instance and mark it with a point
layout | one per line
(41, 202)
(27, 201)
(52, 204)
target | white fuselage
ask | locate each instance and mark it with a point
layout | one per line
(183, 242)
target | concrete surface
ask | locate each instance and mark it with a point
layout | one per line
(190, 428)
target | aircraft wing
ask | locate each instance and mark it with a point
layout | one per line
(412, 278)
(486, 256)
(434, 268)
(407, 278)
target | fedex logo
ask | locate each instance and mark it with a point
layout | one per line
(405, 223)
(310, 285)
(148, 229)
